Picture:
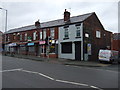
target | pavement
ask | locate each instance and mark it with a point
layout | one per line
(63, 61)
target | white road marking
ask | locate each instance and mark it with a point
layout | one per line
(72, 82)
(11, 70)
(48, 77)
(96, 87)
(39, 74)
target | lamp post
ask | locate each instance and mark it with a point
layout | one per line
(5, 23)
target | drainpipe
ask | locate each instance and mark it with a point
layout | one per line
(81, 41)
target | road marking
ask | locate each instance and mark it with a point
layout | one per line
(11, 70)
(41, 74)
(57, 80)
(48, 77)
(72, 82)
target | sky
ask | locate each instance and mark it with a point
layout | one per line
(26, 12)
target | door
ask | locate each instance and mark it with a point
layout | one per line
(77, 50)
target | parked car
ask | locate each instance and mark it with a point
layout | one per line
(109, 56)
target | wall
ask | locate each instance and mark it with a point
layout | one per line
(72, 38)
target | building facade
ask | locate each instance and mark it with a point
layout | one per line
(77, 38)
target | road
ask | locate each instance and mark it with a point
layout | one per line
(24, 73)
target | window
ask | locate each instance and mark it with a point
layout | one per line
(66, 33)
(44, 34)
(98, 34)
(31, 49)
(8, 38)
(14, 36)
(25, 36)
(67, 47)
(22, 48)
(34, 35)
(20, 37)
(52, 33)
(41, 35)
(52, 49)
(77, 31)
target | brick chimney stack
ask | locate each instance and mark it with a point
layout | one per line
(66, 16)
(37, 23)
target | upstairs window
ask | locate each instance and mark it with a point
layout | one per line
(52, 33)
(20, 37)
(41, 35)
(25, 36)
(34, 35)
(98, 34)
(66, 33)
(77, 31)
(44, 34)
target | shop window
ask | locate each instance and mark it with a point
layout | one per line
(67, 47)
(22, 48)
(31, 49)
(43, 49)
(52, 49)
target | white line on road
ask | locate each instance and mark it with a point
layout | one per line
(48, 77)
(39, 74)
(11, 70)
(72, 82)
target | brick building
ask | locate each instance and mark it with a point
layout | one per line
(78, 38)
(116, 42)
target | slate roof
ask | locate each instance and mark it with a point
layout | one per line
(58, 22)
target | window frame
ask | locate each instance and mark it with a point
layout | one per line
(78, 29)
(66, 32)
(98, 34)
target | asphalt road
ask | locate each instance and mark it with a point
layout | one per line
(24, 73)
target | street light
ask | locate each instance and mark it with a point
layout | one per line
(5, 22)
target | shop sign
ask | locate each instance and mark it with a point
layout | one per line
(12, 44)
(41, 42)
(30, 44)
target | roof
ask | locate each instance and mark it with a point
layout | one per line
(53, 23)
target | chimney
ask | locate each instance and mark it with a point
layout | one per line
(66, 16)
(37, 23)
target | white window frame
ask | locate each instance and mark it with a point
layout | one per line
(44, 34)
(34, 35)
(98, 34)
(78, 30)
(66, 31)
(52, 33)
(41, 35)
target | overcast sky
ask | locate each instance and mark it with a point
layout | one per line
(26, 12)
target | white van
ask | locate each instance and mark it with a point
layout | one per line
(108, 55)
